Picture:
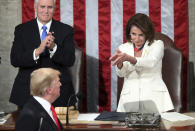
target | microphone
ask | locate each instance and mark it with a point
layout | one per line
(40, 123)
(79, 96)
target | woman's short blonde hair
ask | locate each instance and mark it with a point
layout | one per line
(41, 79)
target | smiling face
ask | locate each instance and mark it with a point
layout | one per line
(144, 25)
(137, 36)
(45, 10)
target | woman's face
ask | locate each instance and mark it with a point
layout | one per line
(137, 36)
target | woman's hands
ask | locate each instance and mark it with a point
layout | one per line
(119, 57)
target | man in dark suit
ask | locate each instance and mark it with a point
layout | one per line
(42, 42)
(37, 114)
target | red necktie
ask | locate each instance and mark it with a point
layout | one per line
(55, 117)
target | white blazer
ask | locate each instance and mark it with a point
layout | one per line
(143, 88)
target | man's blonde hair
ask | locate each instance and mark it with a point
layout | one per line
(41, 79)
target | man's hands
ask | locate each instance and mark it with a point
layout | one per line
(47, 42)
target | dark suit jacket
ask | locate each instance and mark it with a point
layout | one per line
(27, 38)
(30, 118)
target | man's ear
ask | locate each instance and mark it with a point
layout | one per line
(48, 90)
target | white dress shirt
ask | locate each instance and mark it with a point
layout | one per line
(48, 25)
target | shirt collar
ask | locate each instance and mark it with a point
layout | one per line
(46, 105)
(48, 25)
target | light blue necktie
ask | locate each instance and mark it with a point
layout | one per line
(44, 33)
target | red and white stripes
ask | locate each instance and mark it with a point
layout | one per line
(99, 29)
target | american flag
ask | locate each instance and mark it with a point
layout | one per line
(99, 29)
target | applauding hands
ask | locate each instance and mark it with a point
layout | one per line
(47, 42)
(119, 57)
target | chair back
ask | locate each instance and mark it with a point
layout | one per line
(171, 71)
(76, 72)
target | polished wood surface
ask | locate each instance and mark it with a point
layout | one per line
(10, 124)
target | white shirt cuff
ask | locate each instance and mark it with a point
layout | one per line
(34, 57)
(53, 51)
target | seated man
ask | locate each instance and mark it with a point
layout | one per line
(38, 113)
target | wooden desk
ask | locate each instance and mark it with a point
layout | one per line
(10, 124)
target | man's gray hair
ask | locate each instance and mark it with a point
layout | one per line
(36, 1)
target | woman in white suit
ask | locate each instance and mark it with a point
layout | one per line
(139, 61)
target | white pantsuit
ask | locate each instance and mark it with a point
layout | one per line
(143, 88)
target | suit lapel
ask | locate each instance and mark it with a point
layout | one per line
(36, 33)
(144, 52)
(131, 52)
(46, 117)
(145, 49)
(54, 29)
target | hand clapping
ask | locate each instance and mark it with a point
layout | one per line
(50, 41)
(47, 42)
(119, 57)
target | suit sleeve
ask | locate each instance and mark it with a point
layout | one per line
(26, 123)
(21, 52)
(65, 53)
(127, 68)
(155, 54)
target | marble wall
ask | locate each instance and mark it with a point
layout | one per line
(10, 16)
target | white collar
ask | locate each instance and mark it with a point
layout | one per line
(48, 25)
(45, 104)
